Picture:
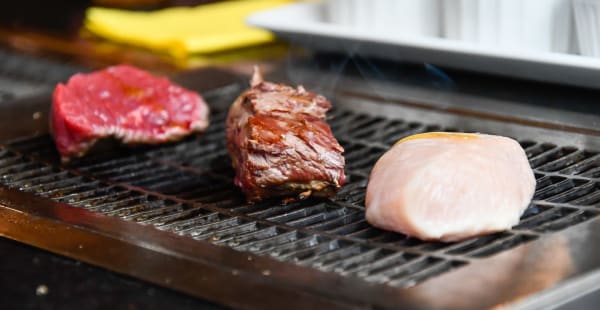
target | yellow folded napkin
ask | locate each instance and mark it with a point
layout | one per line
(183, 30)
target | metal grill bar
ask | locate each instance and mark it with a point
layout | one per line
(22, 76)
(186, 188)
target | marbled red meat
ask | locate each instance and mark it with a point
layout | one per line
(125, 103)
(280, 145)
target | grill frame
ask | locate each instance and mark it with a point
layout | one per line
(281, 281)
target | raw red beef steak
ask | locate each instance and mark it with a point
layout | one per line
(125, 103)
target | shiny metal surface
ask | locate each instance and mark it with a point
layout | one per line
(524, 276)
(226, 276)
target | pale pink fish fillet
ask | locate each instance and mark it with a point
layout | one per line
(450, 186)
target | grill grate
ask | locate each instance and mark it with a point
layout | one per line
(21, 67)
(186, 188)
(22, 75)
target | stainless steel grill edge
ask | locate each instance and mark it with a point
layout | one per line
(171, 214)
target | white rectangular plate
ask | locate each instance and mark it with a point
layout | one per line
(305, 24)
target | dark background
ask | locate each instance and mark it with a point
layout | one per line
(75, 285)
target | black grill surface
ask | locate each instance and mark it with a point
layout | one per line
(186, 188)
(22, 76)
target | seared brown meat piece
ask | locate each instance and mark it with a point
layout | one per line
(280, 145)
